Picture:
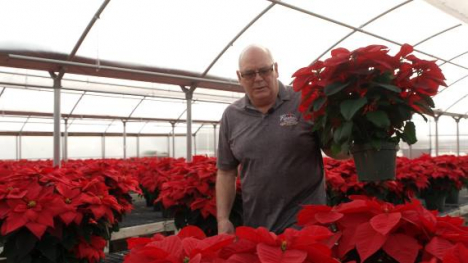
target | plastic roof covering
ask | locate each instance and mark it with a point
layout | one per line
(186, 37)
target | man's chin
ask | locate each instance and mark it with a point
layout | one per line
(263, 99)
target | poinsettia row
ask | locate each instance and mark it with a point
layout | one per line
(414, 177)
(361, 230)
(177, 183)
(61, 213)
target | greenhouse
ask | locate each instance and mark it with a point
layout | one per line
(120, 89)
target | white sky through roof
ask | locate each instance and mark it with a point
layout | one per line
(188, 35)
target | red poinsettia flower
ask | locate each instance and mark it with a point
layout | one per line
(93, 251)
(35, 211)
(72, 199)
(190, 245)
(101, 203)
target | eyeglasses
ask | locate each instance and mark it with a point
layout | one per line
(263, 72)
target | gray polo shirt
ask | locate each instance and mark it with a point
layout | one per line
(280, 158)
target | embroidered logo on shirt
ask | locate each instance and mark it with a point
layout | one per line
(288, 119)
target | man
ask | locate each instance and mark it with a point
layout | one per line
(280, 161)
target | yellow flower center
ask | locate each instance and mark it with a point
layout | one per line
(32, 204)
(186, 260)
(283, 245)
(10, 188)
(68, 200)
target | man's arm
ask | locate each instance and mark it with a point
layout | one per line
(343, 155)
(225, 195)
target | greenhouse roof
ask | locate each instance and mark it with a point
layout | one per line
(127, 60)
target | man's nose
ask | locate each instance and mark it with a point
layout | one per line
(258, 77)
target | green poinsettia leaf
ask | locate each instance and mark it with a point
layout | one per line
(395, 98)
(388, 86)
(343, 133)
(335, 148)
(48, 247)
(384, 103)
(404, 112)
(378, 118)
(350, 107)
(318, 103)
(334, 88)
(345, 147)
(409, 133)
(69, 239)
(376, 144)
(422, 115)
(326, 137)
(25, 243)
(428, 100)
(385, 77)
(381, 134)
(424, 109)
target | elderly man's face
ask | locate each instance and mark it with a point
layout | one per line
(258, 74)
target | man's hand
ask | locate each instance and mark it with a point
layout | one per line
(225, 227)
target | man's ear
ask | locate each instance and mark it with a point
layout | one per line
(238, 75)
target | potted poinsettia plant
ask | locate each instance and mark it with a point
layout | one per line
(63, 214)
(363, 100)
(189, 194)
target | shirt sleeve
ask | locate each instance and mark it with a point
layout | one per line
(226, 159)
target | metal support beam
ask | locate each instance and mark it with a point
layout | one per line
(65, 141)
(430, 136)
(97, 117)
(103, 146)
(57, 84)
(359, 30)
(76, 104)
(195, 139)
(138, 139)
(167, 94)
(457, 120)
(134, 74)
(194, 144)
(361, 26)
(189, 96)
(436, 119)
(124, 139)
(436, 34)
(451, 84)
(138, 146)
(18, 147)
(168, 145)
(87, 134)
(136, 107)
(173, 139)
(231, 43)
(87, 29)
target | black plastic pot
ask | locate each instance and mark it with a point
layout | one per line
(375, 165)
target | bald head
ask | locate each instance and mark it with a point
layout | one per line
(254, 49)
(258, 74)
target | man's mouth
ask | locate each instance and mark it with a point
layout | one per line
(260, 88)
